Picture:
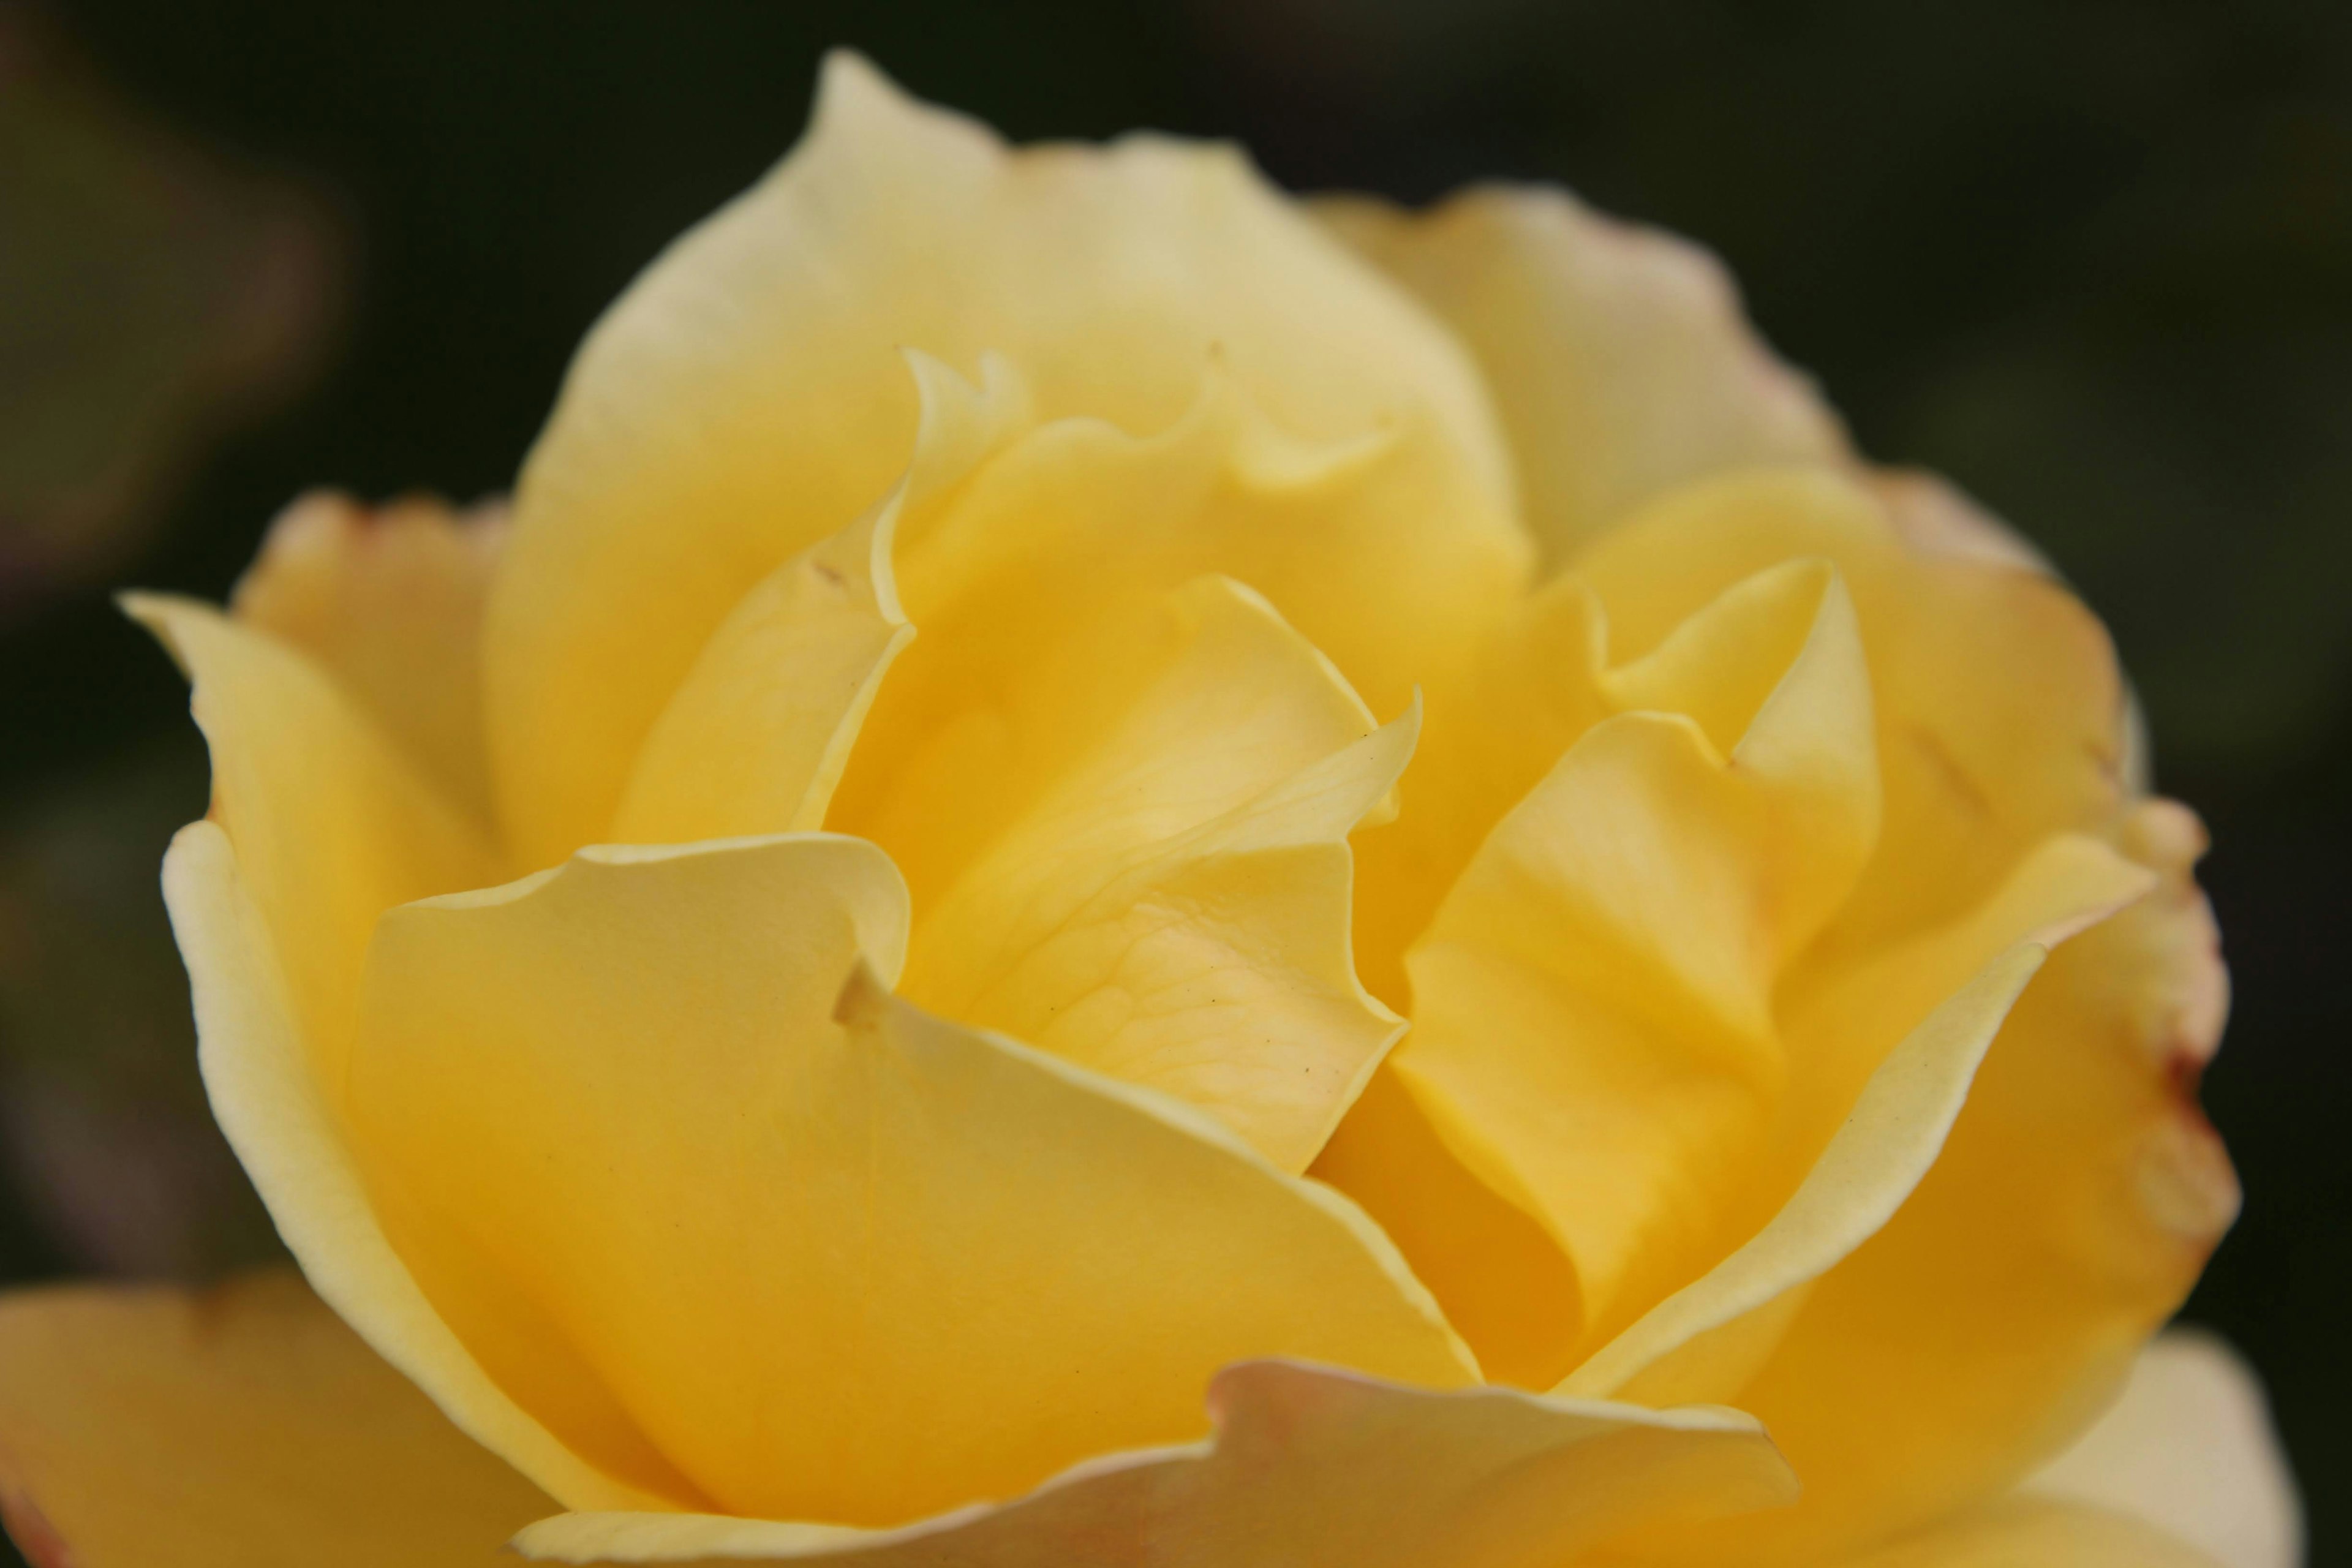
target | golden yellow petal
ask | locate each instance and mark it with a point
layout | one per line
(1306, 1464)
(1620, 361)
(780, 1212)
(1029, 578)
(278, 1116)
(390, 599)
(242, 1426)
(756, 736)
(2027, 1533)
(744, 398)
(1593, 1025)
(1173, 912)
(2188, 1446)
(2074, 1204)
(2000, 706)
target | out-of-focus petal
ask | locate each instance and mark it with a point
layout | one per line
(1174, 910)
(841, 1261)
(1619, 360)
(389, 600)
(2189, 1445)
(2026, 1533)
(1308, 1465)
(242, 1426)
(744, 398)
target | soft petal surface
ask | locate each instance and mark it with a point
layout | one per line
(2074, 1204)
(1593, 1024)
(1619, 360)
(2033, 1534)
(2189, 1445)
(755, 739)
(744, 398)
(242, 1426)
(1307, 1467)
(277, 1114)
(2001, 710)
(659, 1093)
(389, 600)
(1173, 912)
(331, 824)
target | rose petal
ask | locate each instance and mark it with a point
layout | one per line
(2188, 1445)
(743, 399)
(1173, 912)
(237, 1427)
(278, 1116)
(2024, 1532)
(2074, 1202)
(390, 599)
(1592, 1026)
(780, 1226)
(1619, 357)
(1307, 1465)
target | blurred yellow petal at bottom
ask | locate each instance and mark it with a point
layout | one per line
(243, 1427)
(1307, 1465)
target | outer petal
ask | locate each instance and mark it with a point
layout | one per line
(390, 599)
(2025, 1532)
(1593, 1033)
(1174, 910)
(1307, 1466)
(2073, 1205)
(276, 1113)
(744, 400)
(2189, 1445)
(1617, 355)
(239, 1428)
(331, 824)
(841, 1261)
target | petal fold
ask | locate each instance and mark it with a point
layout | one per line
(1174, 910)
(1306, 1464)
(664, 1098)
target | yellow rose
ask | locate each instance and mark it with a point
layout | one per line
(806, 990)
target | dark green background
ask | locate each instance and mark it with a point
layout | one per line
(2093, 261)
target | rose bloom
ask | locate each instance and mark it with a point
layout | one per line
(1109, 870)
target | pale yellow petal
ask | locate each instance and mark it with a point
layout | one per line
(1174, 910)
(242, 1426)
(2073, 1202)
(1593, 1025)
(390, 599)
(276, 1115)
(779, 1213)
(1307, 1465)
(2027, 1532)
(744, 398)
(756, 736)
(1617, 355)
(2188, 1446)
(331, 824)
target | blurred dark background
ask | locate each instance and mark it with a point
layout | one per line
(2093, 261)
